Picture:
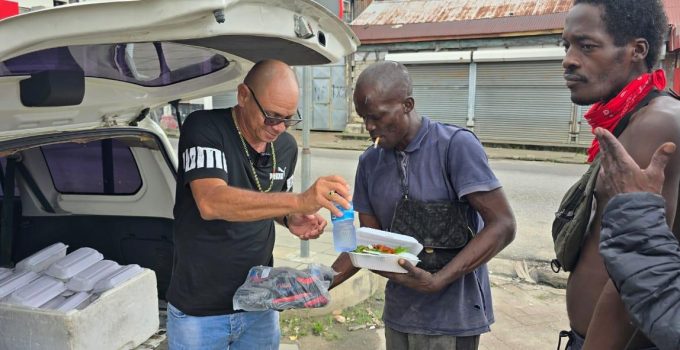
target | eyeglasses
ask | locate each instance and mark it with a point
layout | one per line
(271, 121)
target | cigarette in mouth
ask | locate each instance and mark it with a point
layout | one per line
(375, 144)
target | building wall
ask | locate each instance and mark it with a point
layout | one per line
(27, 4)
(362, 59)
(670, 64)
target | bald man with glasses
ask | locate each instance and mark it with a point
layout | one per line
(235, 178)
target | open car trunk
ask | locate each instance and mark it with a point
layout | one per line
(88, 168)
(112, 191)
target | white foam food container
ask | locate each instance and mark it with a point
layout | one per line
(75, 301)
(384, 262)
(37, 292)
(16, 281)
(116, 278)
(121, 318)
(39, 261)
(73, 263)
(85, 280)
(4, 273)
(55, 302)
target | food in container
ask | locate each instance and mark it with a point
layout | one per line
(381, 250)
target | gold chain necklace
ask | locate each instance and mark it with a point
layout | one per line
(252, 167)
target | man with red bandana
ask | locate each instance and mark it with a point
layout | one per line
(612, 47)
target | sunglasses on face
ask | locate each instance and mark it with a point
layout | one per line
(271, 121)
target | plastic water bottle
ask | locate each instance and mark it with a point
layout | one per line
(344, 235)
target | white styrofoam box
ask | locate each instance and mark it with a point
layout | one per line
(55, 302)
(384, 262)
(76, 301)
(37, 292)
(4, 273)
(119, 276)
(121, 318)
(85, 280)
(41, 260)
(73, 263)
(16, 281)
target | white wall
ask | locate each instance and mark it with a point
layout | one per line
(34, 3)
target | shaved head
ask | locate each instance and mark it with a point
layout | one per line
(269, 90)
(388, 79)
(383, 99)
(269, 72)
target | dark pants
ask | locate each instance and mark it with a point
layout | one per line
(406, 341)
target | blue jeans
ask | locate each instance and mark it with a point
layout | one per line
(240, 331)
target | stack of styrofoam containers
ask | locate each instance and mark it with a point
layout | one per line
(77, 301)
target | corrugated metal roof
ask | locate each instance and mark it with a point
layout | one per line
(391, 12)
(422, 20)
(493, 27)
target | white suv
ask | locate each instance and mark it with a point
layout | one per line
(81, 162)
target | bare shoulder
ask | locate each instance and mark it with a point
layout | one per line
(658, 122)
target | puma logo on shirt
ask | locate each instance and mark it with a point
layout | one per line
(278, 175)
(203, 157)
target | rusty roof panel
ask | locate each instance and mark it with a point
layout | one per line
(390, 12)
(374, 34)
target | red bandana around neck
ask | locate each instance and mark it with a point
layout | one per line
(607, 115)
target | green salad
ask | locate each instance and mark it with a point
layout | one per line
(379, 248)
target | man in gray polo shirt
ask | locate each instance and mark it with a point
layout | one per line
(450, 308)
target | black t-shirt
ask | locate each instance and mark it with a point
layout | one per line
(212, 258)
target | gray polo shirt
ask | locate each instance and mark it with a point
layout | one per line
(464, 307)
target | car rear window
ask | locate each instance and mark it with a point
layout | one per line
(105, 167)
(145, 64)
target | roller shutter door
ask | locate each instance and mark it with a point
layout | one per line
(441, 91)
(522, 102)
(225, 100)
(585, 135)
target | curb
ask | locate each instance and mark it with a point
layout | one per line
(529, 271)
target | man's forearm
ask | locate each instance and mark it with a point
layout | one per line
(344, 268)
(235, 204)
(487, 244)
